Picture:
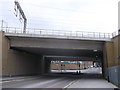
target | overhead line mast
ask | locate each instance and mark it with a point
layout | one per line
(21, 13)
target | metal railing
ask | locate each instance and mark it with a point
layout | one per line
(50, 32)
(114, 34)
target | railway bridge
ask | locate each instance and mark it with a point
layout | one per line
(31, 53)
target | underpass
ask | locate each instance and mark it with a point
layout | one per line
(31, 54)
(61, 81)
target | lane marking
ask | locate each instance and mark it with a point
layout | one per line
(40, 83)
(19, 79)
(57, 83)
(69, 84)
(5, 81)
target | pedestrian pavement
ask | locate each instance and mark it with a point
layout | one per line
(92, 83)
(2, 79)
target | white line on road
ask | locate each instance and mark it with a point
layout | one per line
(19, 79)
(69, 84)
(12, 80)
(40, 83)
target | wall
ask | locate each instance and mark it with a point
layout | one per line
(119, 60)
(0, 53)
(112, 60)
(110, 54)
(113, 70)
(22, 63)
(17, 62)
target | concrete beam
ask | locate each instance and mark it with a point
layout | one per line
(70, 58)
(15, 34)
(55, 43)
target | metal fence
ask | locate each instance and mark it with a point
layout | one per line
(114, 34)
(50, 32)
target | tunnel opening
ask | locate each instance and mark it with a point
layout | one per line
(76, 67)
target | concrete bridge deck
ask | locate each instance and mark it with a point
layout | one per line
(60, 34)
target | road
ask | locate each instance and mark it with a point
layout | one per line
(38, 82)
(64, 80)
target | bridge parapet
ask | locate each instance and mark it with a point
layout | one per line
(116, 33)
(49, 33)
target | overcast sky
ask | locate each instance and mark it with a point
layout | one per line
(75, 15)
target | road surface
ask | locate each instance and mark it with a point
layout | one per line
(64, 80)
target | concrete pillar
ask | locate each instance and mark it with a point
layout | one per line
(44, 65)
(41, 65)
(47, 65)
(105, 62)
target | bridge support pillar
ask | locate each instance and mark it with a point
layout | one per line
(47, 64)
(44, 65)
(41, 65)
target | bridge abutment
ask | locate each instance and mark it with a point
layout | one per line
(15, 62)
(111, 61)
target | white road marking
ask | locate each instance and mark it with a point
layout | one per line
(55, 84)
(38, 84)
(69, 84)
(12, 80)
(19, 79)
(5, 81)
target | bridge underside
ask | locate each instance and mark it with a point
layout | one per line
(86, 49)
(89, 54)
